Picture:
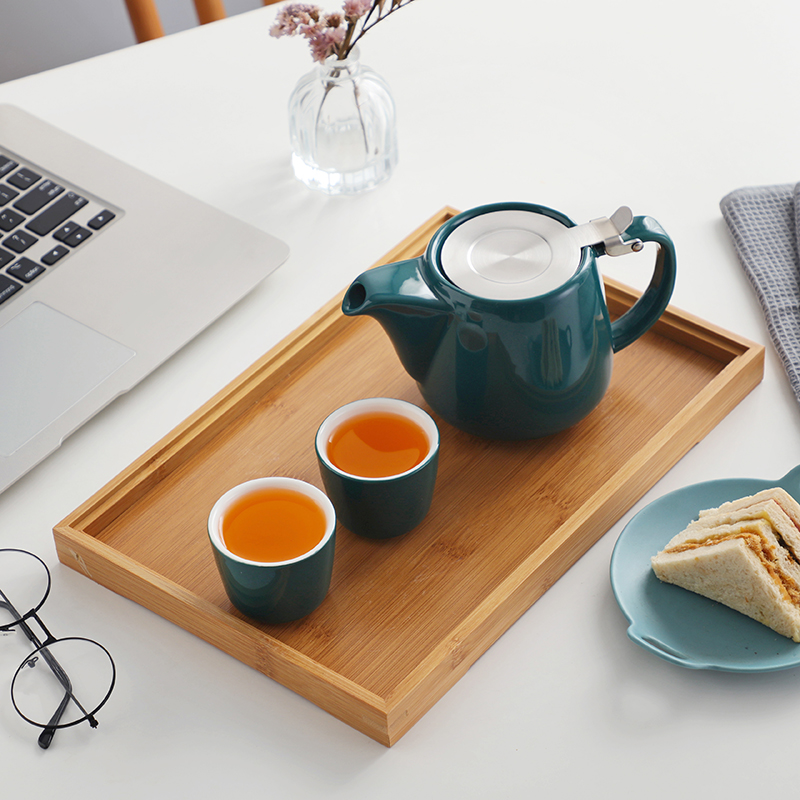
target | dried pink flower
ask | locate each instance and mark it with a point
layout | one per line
(324, 42)
(326, 35)
(292, 16)
(356, 8)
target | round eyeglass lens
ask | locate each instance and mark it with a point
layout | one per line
(24, 584)
(63, 683)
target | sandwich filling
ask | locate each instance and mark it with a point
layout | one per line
(788, 509)
(761, 549)
(745, 555)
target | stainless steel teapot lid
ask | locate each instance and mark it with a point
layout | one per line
(514, 254)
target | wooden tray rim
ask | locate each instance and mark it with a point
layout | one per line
(457, 651)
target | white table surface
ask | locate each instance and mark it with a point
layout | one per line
(581, 106)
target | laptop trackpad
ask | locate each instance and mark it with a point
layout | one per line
(48, 362)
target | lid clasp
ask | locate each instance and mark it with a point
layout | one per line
(608, 232)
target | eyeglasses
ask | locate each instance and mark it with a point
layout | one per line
(64, 681)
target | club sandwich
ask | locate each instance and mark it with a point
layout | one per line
(744, 554)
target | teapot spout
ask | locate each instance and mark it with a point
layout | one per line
(411, 315)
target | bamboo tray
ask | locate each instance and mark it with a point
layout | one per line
(404, 618)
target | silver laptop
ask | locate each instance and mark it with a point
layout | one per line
(104, 273)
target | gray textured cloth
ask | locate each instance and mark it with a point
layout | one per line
(763, 221)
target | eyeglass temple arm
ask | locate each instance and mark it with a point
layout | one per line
(46, 736)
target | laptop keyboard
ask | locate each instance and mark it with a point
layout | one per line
(43, 220)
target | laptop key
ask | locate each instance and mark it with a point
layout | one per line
(77, 236)
(6, 165)
(56, 254)
(25, 269)
(19, 241)
(65, 230)
(10, 219)
(5, 257)
(55, 214)
(97, 221)
(39, 197)
(24, 178)
(7, 194)
(7, 288)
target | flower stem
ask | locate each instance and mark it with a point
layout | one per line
(345, 47)
(350, 42)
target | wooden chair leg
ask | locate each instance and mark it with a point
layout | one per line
(209, 10)
(145, 20)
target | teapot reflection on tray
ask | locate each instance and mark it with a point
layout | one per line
(502, 322)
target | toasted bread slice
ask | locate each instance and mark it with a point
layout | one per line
(788, 505)
(741, 564)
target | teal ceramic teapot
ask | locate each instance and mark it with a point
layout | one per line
(503, 322)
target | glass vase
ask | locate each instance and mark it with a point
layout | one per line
(342, 127)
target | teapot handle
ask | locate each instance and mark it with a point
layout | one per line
(650, 306)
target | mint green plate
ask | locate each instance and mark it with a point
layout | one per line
(680, 626)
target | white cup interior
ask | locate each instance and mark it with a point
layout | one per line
(222, 505)
(371, 405)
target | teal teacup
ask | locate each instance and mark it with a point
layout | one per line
(282, 517)
(378, 459)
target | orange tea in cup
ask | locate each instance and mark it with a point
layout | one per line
(272, 525)
(377, 444)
